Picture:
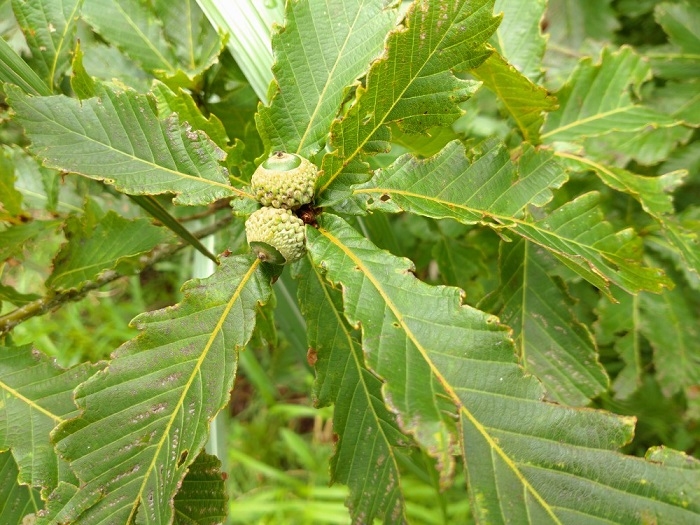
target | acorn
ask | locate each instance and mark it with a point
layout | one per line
(284, 180)
(276, 235)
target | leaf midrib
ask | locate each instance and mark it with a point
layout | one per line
(502, 219)
(443, 381)
(61, 41)
(196, 370)
(149, 44)
(29, 402)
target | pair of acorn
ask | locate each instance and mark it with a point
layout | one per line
(282, 183)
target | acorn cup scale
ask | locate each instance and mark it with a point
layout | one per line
(284, 180)
(276, 235)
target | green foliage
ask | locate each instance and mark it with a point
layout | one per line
(500, 280)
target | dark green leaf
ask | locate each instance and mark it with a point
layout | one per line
(114, 242)
(618, 324)
(596, 99)
(16, 71)
(669, 322)
(138, 433)
(82, 83)
(133, 27)
(183, 104)
(202, 498)
(16, 501)
(365, 454)
(552, 344)
(9, 294)
(196, 43)
(13, 239)
(10, 198)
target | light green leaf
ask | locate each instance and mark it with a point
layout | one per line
(670, 323)
(440, 37)
(9, 294)
(196, 43)
(119, 139)
(448, 185)
(13, 239)
(684, 240)
(113, 242)
(552, 344)
(574, 22)
(681, 21)
(596, 99)
(365, 455)
(182, 103)
(49, 27)
(16, 71)
(618, 324)
(83, 85)
(139, 433)
(16, 501)
(202, 498)
(578, 235)
(10, 198)
(653, 193)
(519, 37)
(133, 27)
(526, 102)
(646, 147)
(36, 396)
(324, 47)
(550, 463)
(489, 191)
(248, 26)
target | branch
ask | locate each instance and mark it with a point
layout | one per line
(54, 300)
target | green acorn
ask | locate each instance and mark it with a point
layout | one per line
(276, 235)
(285, 180)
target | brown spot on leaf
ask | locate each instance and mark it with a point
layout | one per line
(311, 356)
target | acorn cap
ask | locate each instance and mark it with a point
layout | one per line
(285, 180)
(276, 235)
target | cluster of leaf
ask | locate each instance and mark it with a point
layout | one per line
(527, 163)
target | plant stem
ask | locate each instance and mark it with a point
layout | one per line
(54, 300)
